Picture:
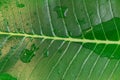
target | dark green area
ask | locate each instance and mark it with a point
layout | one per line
(108, 28)
(6, 76)
(20, 5)
(4, 3)
(111, 51)
(27, 54)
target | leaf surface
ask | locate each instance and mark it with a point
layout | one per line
(60, 39)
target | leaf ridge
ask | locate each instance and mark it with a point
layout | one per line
(69, 39)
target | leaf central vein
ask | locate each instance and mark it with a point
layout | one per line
(61, 38)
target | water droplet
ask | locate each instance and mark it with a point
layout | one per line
(61, 11)
(46, 54)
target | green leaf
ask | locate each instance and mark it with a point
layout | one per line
(59, 40)
(6, 77)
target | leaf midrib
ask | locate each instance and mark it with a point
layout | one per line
(70, 39)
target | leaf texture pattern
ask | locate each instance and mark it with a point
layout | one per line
(60, 39)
